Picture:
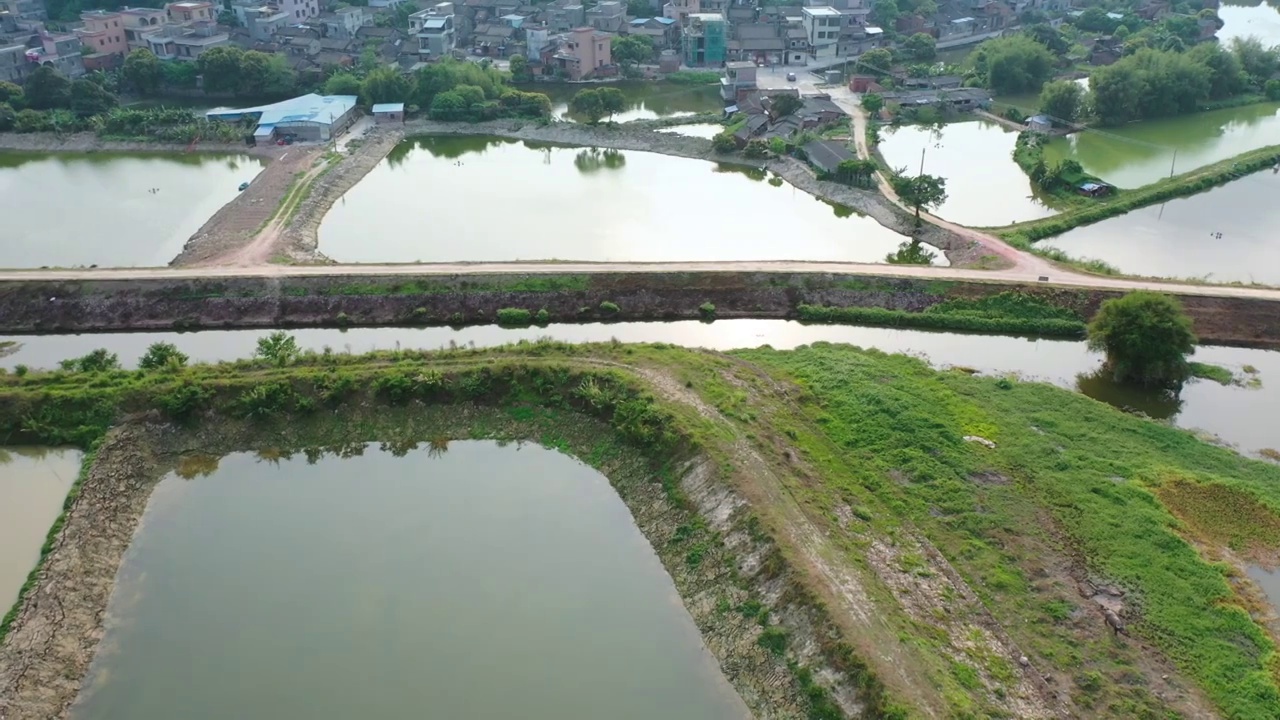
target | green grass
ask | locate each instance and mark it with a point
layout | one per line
(1085, 466)
(1007, 312)
(1216, 373)
(693, 77)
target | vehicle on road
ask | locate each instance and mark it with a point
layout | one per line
(791, 77)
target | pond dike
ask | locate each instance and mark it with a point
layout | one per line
(338, 300)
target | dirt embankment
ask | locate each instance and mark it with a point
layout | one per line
(88, 142)
(338, 300)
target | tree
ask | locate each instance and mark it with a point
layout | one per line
(784, 105)
(1272, 89)
(1049, 37)
(448, 105)
(143, 72)
(872, 103)
(180, 74)
(631, 50)
(1149, 84)
(519, 66)
(921, 191)
(875, 62)
(97, 361)
(162, 356)
(920, 47)
(279, 348)
(911, 252)
(587, 105)
(1226, 74)
(1258, 61)
(1094, 19)
(88, 98)
(343, 83)
(723, 142)
(1014, 64)
(885, 13)
(856, 172)
(385, 85)
(1061, 100)
(220, 68)
(639, 8)
(8, 118)
(1146, 337)
(47, 89)
(612, 101)
(11, 94)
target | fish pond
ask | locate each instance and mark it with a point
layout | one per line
(1142, 153)
(468, 579)
(111, 209)
(440, 199)
(645, 100)
(989, 192)
(1238, 413)
(34, 482)
(1227, 234)
(1260, 20)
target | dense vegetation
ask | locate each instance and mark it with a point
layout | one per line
(1146, 338)
(1008, 312)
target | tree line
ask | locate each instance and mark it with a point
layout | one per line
(448, 90)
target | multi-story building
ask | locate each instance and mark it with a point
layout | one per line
(345, 22)
(103, 33)
(25, 9)
(584, 53)
(140, 22)
(704, 39)
(14, 66)
(62, 52)
(607, 16)
(680, 10)
(435, 30)
(263, 22)
(300, 9)
(822, 28)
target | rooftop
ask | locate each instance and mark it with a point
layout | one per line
(388, 107)
(821, 11)
(307, 108)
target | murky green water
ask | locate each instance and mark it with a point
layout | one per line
(984, 185)
(486, 199)
(483, 582)
(644, 100)
(1260, 20)
(1142, 153)
(1179, 238)
(1238, 415)
(34, 482)
(66, 209)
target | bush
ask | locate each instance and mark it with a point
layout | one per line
(21, 370)
(609, 308)
(724, 142)
(184, 400)
(1272, 90)
(514, 316)
(279, 348)
(543, 317)
(97, 361)
(707, 310)
(773, 639)
(162, 356)
(262, 401)
(756, 149)
(1146, 337)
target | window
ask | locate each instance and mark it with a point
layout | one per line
(115, 23)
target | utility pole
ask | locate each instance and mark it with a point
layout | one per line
(922, 160)
(1171, 162)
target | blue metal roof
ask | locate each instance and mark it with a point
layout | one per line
(388, 107)
(306, 108)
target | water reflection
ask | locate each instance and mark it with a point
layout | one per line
(594, 160)
(33, 486)
(1101, 385)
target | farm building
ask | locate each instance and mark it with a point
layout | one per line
(307, 118)
(388, 112)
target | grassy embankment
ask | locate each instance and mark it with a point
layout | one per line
(872, 448)
(1081, 211)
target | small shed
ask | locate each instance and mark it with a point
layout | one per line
(1039, 123)
(388, 112)
(1094, 189)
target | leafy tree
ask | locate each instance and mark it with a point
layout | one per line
(97, 361)
(1257, 60)
(385, 85)
(162, 356)
(143, 72)
(1122, 32)
(784, 105)
(47, 89)
(612, 101)
(1061, 100)
(875, 62)
(885, 13)
(343, 83)
(1146, 337)
(631, 50)
(8, 118)
(1149, 84)
(220, 68)
(921, 191)
(911, 252)
(1272, 89)
(1094, 19)
(448, 105)
(1226, 74)
(587, 105)
(11, 94)
(279, 79)
(519, 66)
(872, 103)
(723, 142)
(856, 172)
(1049, 37)
(279, 348)
(254, 66)
(1014, 64)
(920, 47)
(756, 149)
(88, 98)
(30, 121)
(180, 74)
(777, 146)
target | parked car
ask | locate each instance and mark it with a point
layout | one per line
(791, 77)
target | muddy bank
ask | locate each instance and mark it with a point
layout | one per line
(58, 627)
(372, 300)
(88, 142)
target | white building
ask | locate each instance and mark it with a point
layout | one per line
(297, 10)
(822, 27)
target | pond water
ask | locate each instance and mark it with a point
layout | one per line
(702, 130)
(1269, 581)
(440, 199)
(645, 100)
(34, 482)
(992, 191)
(1142, 153)
(477, 581)
(112, 217)
(1237, 414)
(1259, 20)
(1179, 238)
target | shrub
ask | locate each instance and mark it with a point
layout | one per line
(279, 348)
(773, 639)
(97, 361)
(21, 370)
(724, 142)
(609, 308)
(543, 317)
(262, 401)
(514, 316)
(707, 310)
(756, 149)
(183, 400)
(164, 356)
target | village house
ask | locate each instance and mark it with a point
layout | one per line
(344, 23)
(388, 112)
(680, 10)
(704, 39)
(960, 99)
(14, 66)
(662, 32)
(737, 78)
(826, 155)
(822, 31)
(608, 16)
(61, 51)
(586, 53)
(103, 35)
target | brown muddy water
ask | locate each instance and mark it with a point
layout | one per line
(34, 482)
(1239, 415)
(442, 199)
(478, 581)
